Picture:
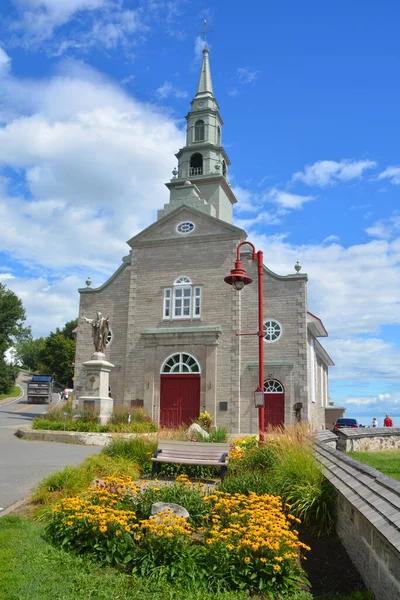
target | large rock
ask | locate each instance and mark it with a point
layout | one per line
(176, 509)
(196, 429)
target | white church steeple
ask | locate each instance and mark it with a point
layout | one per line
(203, 163)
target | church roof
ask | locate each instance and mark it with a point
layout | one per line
(316, 326)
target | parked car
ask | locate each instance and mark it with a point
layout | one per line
(344, 423)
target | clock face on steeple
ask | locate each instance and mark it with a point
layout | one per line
(200, 104)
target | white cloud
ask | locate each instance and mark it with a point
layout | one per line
(246, 75)
(328, 172)
(93, 160)
(363, 358)
(5, 61)
(263, 218)
(198, 48)
(286, 200)
(250, 201)
(105, 24)
(392, 173)
(48, 304)
(385, 228)
(6, 276)
(40, 17)
(167, 89)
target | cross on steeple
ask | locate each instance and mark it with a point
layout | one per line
(204, 32)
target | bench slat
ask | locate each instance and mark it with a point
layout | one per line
(189, 461)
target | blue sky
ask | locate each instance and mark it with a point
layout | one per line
(93, 95)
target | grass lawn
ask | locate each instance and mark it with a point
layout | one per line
(15, 392)
(388, 462)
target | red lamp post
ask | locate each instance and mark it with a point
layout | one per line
(238, 279)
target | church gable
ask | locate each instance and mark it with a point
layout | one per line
(184, 224)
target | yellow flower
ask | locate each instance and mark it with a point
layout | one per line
(263, 560)
(247, 559)
(276, 568)
(209, 541)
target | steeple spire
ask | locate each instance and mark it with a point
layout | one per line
(201, 179)
(205, 83)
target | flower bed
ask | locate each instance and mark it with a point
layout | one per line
(230, 541)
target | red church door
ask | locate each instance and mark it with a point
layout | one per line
(274, 409)
(274, 403)
(179, 399)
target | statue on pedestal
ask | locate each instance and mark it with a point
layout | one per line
(100, 330)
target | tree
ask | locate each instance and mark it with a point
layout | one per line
(57, 357)
(58, 353)
(29, 353)
(12, 316)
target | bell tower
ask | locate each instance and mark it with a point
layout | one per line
(202, 170)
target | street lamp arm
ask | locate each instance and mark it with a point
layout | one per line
(254, 254)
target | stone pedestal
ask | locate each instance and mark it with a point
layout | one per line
(95, 398)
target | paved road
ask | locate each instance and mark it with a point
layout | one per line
(23, 463)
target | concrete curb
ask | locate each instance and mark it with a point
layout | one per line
(10, 509)
(85, 438)
(77, 437)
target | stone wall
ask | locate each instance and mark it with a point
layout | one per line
(368, 519)
(368, 439)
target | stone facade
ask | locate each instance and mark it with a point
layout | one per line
(143, 336)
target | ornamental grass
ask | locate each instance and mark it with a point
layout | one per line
(232, 541)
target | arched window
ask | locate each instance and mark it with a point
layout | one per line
(199, 131)
(218, 135)
(224, 168)
(109, 338)
(180, 363)
(183, 301)
(273, 386)
(196, 164)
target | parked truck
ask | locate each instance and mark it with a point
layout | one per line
(40, 389)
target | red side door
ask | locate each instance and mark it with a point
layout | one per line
(179, 399)
(274, 409)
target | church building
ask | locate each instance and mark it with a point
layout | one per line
(174, 320)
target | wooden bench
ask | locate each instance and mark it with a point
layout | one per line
(191, 453)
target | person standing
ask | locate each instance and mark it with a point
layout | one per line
(387, 421)
(374, 422)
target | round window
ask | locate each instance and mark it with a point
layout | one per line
(109, 337)
(272, 330)
(185, 227)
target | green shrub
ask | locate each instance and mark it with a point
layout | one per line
(89, 423)
(205, 420)
(244, 483)
(217, 435)
(138, 450)
(74, 480)
(300, 482)
(259, 458)
(181, 493)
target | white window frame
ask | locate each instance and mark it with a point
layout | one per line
(272, 320)
(179, 360)
(190, 296)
